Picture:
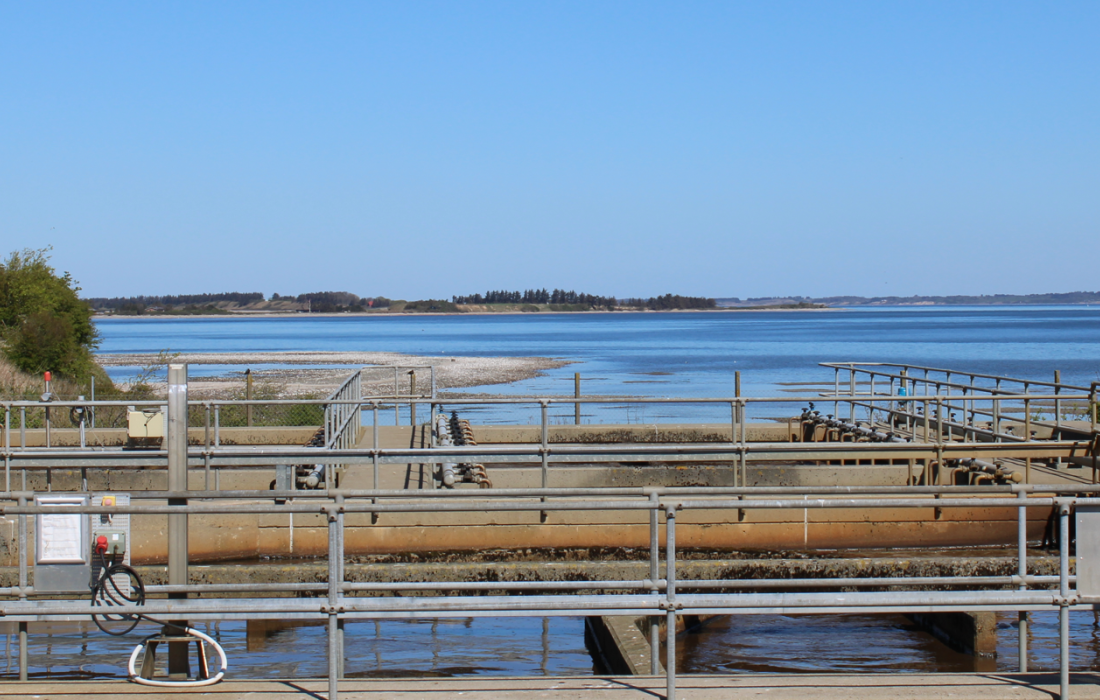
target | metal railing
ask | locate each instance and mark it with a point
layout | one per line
(971, 395)
(659, 594)
(938, 439)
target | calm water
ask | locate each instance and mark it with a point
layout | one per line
(671, 354)
(555, 646)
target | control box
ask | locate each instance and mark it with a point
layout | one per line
(145, 424)
(111, 534)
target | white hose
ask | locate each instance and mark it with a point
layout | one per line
(180, 684)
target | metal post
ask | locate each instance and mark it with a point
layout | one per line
(871, 403)
(1057, 412)
(836, 390)
(93, 401)
(22, 501)
(412, 392)
(654, 575)
(544, 450)
(177, 524)
(852, 393)
(577, 395)
(1021, 534)
(206, 446)
(7, 448)
(248, 397)
(23, 651)
(1063, 607)
(333, 602)
(744, 442)
(670, 600)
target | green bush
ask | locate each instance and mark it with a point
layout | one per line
(44, 325)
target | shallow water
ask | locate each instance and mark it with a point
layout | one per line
(442, 647)
(869, 643)
(555, 646)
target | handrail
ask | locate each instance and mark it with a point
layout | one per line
(668, 596)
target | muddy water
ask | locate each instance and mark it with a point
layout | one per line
(555, 646)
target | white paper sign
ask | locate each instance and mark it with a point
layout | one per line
(60, 537)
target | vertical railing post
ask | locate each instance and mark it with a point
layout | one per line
(248, 397)
(23, 585)
(654, 576)
(670, 602)
(374, 455)
(744, 448)
(544, 451)
(1063, 605)
(734, 436)
(7, 449)
(333, 600)
(577, 396)
(1021, 569)
(206, 445)
(177, 524)
(1057, 412)
(852, 393)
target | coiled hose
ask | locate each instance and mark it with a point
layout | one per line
(106, 592)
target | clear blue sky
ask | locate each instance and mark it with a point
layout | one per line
(419, 149)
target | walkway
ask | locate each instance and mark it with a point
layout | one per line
(897, 686)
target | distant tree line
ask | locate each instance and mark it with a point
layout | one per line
(139, 304)
(670, 302)
(538, 296)
(335, 302)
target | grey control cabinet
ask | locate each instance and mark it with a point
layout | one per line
(64, 556)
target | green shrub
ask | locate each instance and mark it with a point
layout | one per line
(44, 325)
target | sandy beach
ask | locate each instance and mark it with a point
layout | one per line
(299, 378)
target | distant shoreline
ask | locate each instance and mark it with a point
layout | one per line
(384, 314)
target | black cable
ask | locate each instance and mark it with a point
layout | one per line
(106, 591)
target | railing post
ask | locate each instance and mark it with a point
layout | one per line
(23, 585)
(852, 393)
(1063, 606)
(1021, 534)
(544, 451)
(670, 602)
(206, 446)
(248, 397)
(577, 395)
(177, 524)
(654, 575)
(333, 601)
(7, 449)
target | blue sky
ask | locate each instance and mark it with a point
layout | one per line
(423, 149)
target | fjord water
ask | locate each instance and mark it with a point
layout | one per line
(690, 354)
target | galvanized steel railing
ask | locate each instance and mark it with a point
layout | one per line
(661, 594)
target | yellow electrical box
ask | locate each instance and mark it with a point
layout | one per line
(146, 424)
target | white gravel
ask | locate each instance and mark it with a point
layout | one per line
(297, 378)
